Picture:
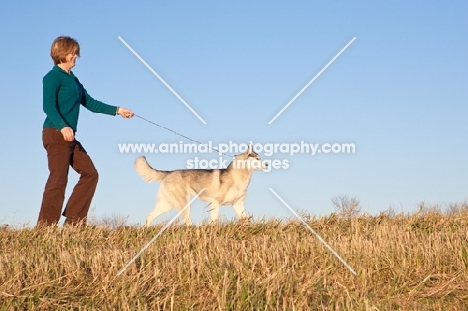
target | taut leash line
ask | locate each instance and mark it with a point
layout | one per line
(188, 138)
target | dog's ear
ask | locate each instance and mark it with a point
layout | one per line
(250, 149)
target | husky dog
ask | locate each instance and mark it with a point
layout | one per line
(222, 186)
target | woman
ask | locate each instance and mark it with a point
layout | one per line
(63, 95)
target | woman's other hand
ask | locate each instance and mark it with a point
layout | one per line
(68, 134)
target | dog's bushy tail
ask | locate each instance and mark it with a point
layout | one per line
(146, 172)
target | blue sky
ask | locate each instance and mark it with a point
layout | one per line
(398, 93)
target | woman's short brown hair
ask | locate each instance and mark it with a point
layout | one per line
(61, 47)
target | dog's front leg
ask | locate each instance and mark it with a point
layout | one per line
(240, 209)
(214, 212)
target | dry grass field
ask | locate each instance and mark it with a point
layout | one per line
(403, 262)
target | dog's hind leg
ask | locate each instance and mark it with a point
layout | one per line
(186, 216)
(184, 204)
(160, 208)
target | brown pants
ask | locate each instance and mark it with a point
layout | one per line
(61, 155)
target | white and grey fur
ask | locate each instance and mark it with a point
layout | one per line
(222, 186)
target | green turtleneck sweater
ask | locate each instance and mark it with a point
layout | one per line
(62, 96)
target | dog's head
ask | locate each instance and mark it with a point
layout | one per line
(249, 160)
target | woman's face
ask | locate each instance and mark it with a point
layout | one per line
(69, 61)
(71, 58)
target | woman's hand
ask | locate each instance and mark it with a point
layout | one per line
(68, 134)
(124, 112)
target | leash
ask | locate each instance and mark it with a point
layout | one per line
(186, 137)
